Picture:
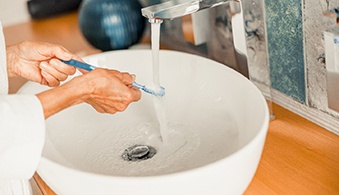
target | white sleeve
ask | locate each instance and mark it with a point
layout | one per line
(3, 65)
(22, 135)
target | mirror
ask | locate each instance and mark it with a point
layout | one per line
(331, 38)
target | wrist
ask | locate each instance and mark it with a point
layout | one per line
(62, 97)
(11, 61)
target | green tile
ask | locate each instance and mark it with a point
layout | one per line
(285, 47)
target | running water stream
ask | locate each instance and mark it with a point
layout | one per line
(159, 102)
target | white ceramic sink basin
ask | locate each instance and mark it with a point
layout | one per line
(219, 121)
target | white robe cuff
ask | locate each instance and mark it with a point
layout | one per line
(22, 135)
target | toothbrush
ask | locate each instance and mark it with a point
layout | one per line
(157, 91)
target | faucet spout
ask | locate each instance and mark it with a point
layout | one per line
(178, 8)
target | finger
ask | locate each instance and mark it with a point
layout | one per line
(102, 108)
(52, 71)
(43, 81)
(132, 95)
(98, 108)
(83, 71)
(62, 53)
(127, 78)
(52, 51)
(125, 99)
(51, 81)
(133, 77)
(62, 67)
(136, 94)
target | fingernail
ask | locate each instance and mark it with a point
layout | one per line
(43, 65)
(133, 76)
(54, 62)
(67, 55)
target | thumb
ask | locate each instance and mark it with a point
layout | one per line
(83, 71)
(57, 51)
(127, 78)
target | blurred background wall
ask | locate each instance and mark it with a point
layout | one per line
(13, 12)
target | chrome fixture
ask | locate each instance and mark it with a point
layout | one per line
(178, 8)
(237, 34)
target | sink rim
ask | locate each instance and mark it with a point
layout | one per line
(246, 149)
(263, 130)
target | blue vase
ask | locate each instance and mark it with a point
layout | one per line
(111, 24)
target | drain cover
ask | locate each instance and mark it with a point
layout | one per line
(138, 153)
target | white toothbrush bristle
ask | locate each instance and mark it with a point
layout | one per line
(155, 89)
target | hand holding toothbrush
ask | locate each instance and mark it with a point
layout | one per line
(39, 62)
(151, 89)
(108, 91)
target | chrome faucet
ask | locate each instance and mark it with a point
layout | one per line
(178, 8)
(236, 39)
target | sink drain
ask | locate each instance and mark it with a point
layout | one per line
(138, 153)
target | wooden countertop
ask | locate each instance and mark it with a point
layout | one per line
(299, 157)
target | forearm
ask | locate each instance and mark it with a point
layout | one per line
(62, 97)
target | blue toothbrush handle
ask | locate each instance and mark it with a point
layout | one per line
(137, 85)
(89, 67)
(78, 64)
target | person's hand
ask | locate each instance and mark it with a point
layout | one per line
(39, 62)
(107, 91)
(110, 91)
